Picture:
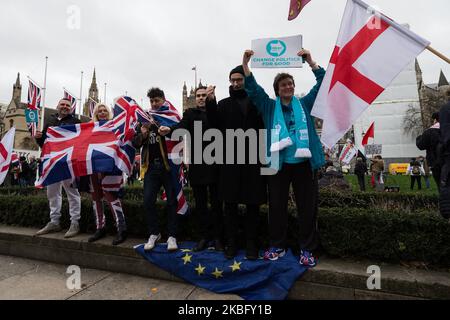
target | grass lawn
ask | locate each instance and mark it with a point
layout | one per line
(404, 182)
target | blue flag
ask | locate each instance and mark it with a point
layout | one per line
(210, 270)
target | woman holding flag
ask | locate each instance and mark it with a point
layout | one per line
(106, 186)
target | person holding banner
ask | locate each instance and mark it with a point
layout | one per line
(63, 117)
(106, 186)
(293, 141)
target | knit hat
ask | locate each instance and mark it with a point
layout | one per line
(238, 69)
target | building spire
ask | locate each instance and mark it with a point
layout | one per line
(18, 79)
(442, 80)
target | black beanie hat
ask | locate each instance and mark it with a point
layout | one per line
(238, 69)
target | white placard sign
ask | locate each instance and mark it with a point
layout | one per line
(277, 52)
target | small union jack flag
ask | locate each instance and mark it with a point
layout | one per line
(72, 99)
(127, 114)
(91, 103)
(34, 103)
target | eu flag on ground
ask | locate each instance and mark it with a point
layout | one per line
(210, 270)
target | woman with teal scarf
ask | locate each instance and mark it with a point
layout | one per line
(295, 152)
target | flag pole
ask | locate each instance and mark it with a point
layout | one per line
(437, 53)
(43, 98)
(81, 98)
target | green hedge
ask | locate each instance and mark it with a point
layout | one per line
(388, 235)
(388, 201)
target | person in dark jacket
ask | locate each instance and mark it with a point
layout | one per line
(202, 176)
(361, 171)
(239, 183)
(63, 117)
(444, 197)
(155, 169)
(429, 141)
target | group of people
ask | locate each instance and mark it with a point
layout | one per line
(22, 173)
(223, 186)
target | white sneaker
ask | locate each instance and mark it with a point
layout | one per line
(172, 244)
(151, 242)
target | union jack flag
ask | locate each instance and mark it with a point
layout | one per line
(127, 114)
(72, 99)
(168, 116)
(34, 103)
(34, 96)
(83, 149)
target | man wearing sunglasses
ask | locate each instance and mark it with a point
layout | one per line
(63, 117)
(239, 183)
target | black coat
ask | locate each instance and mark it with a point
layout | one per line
(444, 117)
(55, 122)
(201, 173)
(360, 168)
(429, 141)
(239, 183)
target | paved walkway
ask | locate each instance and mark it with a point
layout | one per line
(31, 279)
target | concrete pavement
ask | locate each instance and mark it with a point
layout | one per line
(25, 279)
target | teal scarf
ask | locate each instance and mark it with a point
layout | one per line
(281, 138)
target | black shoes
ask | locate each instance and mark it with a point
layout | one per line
(201, 245)
(218, 246)
(230, 251)
(121, 237)
(251, 251)
(100, 233)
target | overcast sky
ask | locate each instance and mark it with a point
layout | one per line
(137, 44)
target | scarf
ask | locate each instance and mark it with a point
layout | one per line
(280, 138)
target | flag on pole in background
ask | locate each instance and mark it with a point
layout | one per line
(369, 134)
(92, 103)
(371, 51)
(295, 8)
(34, 105)
(72, 99)
(6, 152)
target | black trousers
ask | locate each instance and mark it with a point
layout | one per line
(304, 183)
(232, 222)
(419, 182)
(155, 177)
(362, 182)
(437, 176)
(209, 221)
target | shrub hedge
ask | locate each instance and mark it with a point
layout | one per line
(359, 231)
(412, 201)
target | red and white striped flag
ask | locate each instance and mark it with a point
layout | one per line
(6, 147)
(371, 51)
(72, 99)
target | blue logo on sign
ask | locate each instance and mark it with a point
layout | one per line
(276, 48)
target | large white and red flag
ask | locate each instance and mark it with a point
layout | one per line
(6, 148)
(371, 51)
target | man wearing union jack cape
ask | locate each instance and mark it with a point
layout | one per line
(63, 117)
(156, 169)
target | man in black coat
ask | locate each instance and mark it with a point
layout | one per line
(429, 141)
(63, 117)
(361, 171)
(202, 176)
(444, 117)
(239, 183)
